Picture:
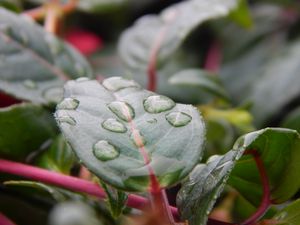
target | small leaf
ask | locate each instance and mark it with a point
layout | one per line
(59, 157)
(279, 150)
(289, 215)
(116, 200)
(24, 128)
(201, 79)
(124, 134)
(35, 64)
(199, 193)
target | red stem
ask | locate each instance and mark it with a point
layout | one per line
(266, 198)
(78, 185)
(5, 221)
(213, 58)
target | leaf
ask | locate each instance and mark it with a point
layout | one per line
(242, 14)
(279, 150)
(24, 128)
(34, 64)
(171, 26)
(289, 215)
(292, 120)
(116, 200)
(96, 6)
(13, 5)
(124, 134)
(59, 157)
(199, 193)
(201, 79)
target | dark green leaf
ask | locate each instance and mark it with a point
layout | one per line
(199, 193)
(292, 120)
(13, 5)
(116, 200)
(59, 157)
(201, 79)
(290, 215)
(24, 128)
(279, 150)
(123, 133)
(34, 64)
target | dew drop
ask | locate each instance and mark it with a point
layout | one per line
(158, 103)
(82, 79)
(137, 138)
(30, 84)
(122, 110)
(67, 119)
(152, 121)
(105, 151)
(80, 69)
(178, 119)
(68, 104)
(118, 83)
(114, 125)
(54, 94)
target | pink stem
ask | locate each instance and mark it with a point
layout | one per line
(266, 199)
(5, 221)
(213, 58)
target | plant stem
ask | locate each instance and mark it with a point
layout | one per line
(5, 221)
(37, 13)
(213, 58)
(266, 198)
(54, 16)
(77, 185)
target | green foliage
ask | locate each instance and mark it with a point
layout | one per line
(289, 215)
(123, 133)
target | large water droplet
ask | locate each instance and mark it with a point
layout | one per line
(178, 119)
(30, 84)
(137, 138)
(122, 110)
(118, 83)
(158, 103)
(68, 104)
(54, 94)
(105, 151)
(114, 125)
(82, 79)
(66, 119)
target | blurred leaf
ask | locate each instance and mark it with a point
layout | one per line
(242, 14)
(13, 5)
(201, 79)
(279, 150)
(119, 131)
(289, 215)
(24, 128)
(59, 157)
(34, 64)
(204, 185)
(116, 200)
(73, 212)
(292, 120)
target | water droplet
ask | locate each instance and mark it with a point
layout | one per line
(54, 94)
(24, 37)
(122, 110)
(80, 69)
(137, 138)
(114, 125)
(178, 119)
(118, 83)
(82, 79)
(105, 151)
(152, 121)
(55, 46)
(158, 103)
(66, 119)
(30, 84)
(68, 104)
(207, 212)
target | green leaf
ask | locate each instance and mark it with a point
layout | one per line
(59, 157)
(279, 150)
(242, 14)
(172, 25)
(13, 5)
(123, 133)
(201, 79)
(289, 215)
(35, 64)
(24, 128)
(116, 200)
(199, 193)
(292, 120)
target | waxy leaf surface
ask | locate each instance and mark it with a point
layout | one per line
(127, 135)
